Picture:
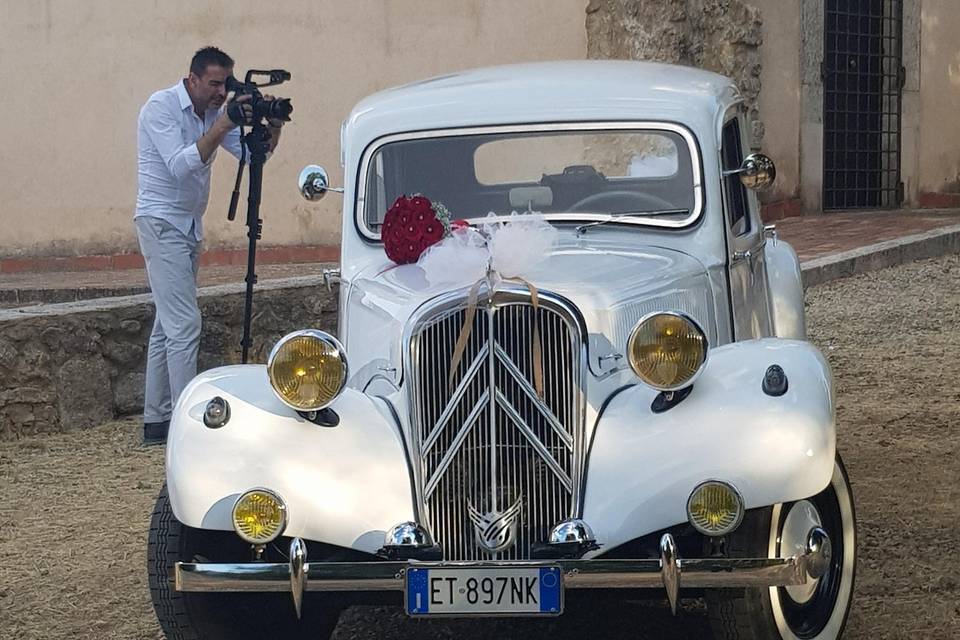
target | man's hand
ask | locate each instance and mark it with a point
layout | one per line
(209, 141)
(239, 111)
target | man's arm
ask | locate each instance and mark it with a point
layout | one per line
(209, 141)
(222, 131)
(163, 130)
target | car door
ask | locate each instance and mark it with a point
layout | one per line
(745, 240)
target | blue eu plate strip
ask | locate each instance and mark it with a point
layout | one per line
(417, 600)
(549, 590)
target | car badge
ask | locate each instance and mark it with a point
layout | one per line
(496, 531)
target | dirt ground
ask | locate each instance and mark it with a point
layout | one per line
(74, 507)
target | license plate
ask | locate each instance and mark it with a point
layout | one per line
(468, 591)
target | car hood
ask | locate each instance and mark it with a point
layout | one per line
(612, 285)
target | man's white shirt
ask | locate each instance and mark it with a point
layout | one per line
(173, 183)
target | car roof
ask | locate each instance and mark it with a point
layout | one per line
(568, 91)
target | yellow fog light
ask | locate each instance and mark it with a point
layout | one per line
(259, 516)
(307, 369)
(715, 508)
(667, 350)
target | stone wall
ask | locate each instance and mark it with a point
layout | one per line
(73, 365)
(719, 35)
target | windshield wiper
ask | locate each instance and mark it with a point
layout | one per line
(613, 217)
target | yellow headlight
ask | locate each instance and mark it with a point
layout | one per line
(259, 516)
(307, 369)
(715, 508)
(666, 350)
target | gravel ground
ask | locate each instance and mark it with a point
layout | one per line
(74, 507)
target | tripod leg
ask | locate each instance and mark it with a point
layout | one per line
(254, 229)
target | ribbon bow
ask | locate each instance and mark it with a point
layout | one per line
(467, 328)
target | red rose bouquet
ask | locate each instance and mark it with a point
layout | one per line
(413, 224)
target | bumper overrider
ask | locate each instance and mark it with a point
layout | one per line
(667, 572)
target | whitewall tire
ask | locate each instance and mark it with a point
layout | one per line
(816, 610)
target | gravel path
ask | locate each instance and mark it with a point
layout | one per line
(74, 507)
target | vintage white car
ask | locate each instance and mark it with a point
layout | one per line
(638, 412)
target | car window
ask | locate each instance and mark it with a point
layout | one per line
(614, 155)
(594, 172)
(735, 193)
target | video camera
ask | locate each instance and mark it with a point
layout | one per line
(263, 109)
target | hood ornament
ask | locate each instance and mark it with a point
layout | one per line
(496, 531)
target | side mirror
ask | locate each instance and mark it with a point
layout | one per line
(314, 183)
(757, 172)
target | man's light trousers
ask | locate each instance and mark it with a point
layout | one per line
(172, 259)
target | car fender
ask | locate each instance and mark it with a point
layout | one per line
(343, 485)
(786, 290)
(642, 466)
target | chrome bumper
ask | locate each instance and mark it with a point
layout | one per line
(667, 572)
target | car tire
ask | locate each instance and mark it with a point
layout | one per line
(221, 616)
(815, 611)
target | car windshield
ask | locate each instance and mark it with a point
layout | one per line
(650, 176)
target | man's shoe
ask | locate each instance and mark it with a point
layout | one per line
(155, 432)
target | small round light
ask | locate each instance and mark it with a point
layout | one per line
(667, 350)
(217, 413)
(408, 534)
(715, 508)
(259, 516)
(307, 369)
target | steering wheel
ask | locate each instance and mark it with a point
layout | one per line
(620, 201)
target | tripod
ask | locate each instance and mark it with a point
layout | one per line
(257, 142)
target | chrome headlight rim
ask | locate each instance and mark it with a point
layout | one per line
(283, 511)
(687, 318)
(741, 511)
(319, 335)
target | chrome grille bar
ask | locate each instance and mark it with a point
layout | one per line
(531, 394)
(535, 442)
(457, 394)
(493, 442)
(455, 445)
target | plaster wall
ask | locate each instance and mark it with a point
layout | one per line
(78, 72)
(939, 98)
(779, 100)
(910, 104)
(811, 104)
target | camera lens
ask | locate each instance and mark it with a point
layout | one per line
(279, 109)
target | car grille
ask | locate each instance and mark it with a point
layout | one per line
(491, 446)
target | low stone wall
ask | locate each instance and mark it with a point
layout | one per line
(73, 365)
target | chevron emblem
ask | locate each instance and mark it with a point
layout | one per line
(496, 530)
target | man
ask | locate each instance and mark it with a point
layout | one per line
(179, 131)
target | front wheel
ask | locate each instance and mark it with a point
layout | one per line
(816, 610)
(221, 616)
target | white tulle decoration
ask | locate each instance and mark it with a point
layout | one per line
(520, 244)
(511, 249)
(461, 257)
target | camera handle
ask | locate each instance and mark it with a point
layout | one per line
(235, 196)
(256, 141)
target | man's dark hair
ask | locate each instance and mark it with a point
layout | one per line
(209, 56)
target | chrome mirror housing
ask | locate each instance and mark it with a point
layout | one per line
(314, 182)
(757, 172)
